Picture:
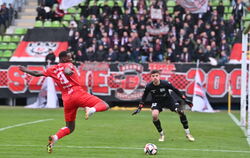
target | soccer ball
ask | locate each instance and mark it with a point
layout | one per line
(150, 149)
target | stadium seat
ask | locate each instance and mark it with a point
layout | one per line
(6, 38)
(170, 10)
(12, 46)
(38, 23)
(91, 3)
(215, 3)
(56, 24)
(82, 3)
(3, 46)
(226, 16)
(65, 23)
(228, 10)
(4, 59)
(79, 10)
(100, 3)
(171, 3)
(111, 3)
(71, 10)
(47, 24)
(77, 17)
(246, 24)
(20, 31)
(15, 38)
(247, 17)
(120, 3)
(67, 17)
(1, 53)
(148, 3)
(1, 38)
(7, 53)
(226, 3)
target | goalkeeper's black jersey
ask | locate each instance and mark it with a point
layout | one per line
(160, 93)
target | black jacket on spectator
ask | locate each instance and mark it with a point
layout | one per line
(123, 56)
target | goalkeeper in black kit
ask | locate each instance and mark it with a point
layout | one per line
(161, 98)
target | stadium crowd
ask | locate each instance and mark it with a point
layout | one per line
(132, 32)
(7, 13)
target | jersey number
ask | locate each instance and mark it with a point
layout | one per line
(62, 78)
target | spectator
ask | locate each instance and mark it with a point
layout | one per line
(80, 56)
(201, 56)
(220, 9)
(90, 54)
(111, 56)
(11, 13)
(117, 10)
(225, 47)
(186, 56)
(5, 15)
(94, 10)
(135, 47)
(100, 54)
(144, 52)
(123, 55)
(158, 50)
(50, 58)
(110, 27)
(57, 13)
(125, 39)
(74, 40)
(238, 13)
(223, 58)
(171, 56)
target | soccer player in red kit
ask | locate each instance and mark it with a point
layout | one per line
(66, 77)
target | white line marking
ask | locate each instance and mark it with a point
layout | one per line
(129, 148)
(23, 124)
(237, 122)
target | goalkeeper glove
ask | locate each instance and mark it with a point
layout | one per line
(138, 109)
(188, 102)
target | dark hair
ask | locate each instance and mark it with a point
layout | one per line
(155, 72)
(63, 54)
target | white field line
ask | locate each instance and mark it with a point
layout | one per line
(237, 122)
(24, 124)
(129, 148)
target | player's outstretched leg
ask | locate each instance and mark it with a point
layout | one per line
(157, 123)
(53, 138)
(184, 123)
(100, 106)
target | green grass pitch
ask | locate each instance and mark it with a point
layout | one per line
(117, 134)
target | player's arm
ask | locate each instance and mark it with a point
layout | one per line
(182, 96)
(31, 72)
(69, 69)
(141, 104)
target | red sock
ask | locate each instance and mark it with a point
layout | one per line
(101, 106)
(63, 132)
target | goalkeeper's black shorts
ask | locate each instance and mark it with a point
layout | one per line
(169, 104)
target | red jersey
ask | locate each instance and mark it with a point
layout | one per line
(66, 83)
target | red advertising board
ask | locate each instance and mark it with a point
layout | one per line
(126, 81)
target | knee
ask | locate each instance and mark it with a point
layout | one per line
(155, 118)
(107, 105)
(180, 112)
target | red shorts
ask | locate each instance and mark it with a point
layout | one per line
(79, 98)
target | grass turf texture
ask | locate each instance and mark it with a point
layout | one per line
(117, 134)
